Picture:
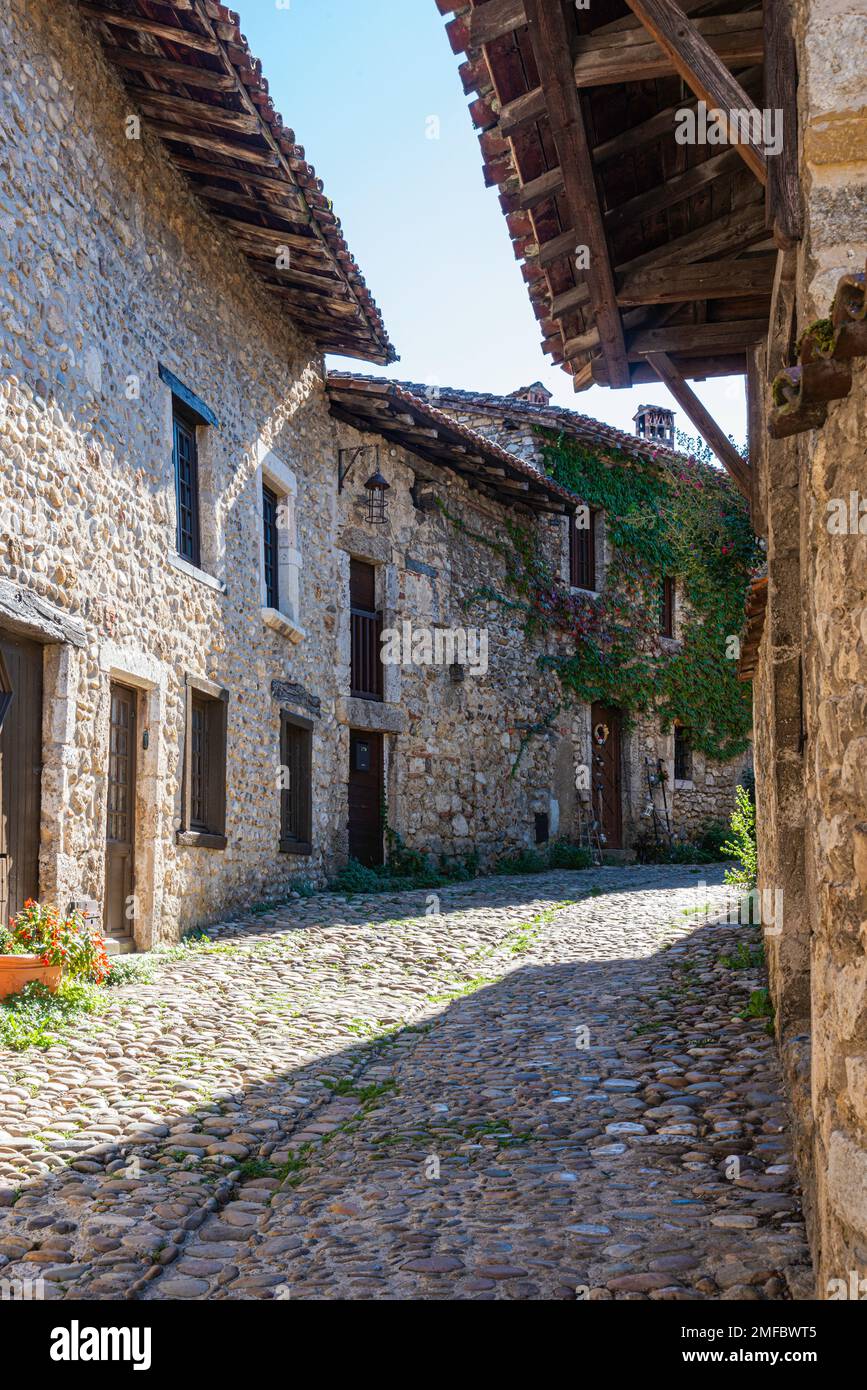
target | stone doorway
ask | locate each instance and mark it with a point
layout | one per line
(118, 914)
(20, 771)
(365, 797)
(606, 742)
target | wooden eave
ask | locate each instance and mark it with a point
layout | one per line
(756, 610)
(685, 268)
(189, 70)
(397, 415)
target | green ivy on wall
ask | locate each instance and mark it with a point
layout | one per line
(662, 518)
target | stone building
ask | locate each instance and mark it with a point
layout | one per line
(192, 594)
(743, 258)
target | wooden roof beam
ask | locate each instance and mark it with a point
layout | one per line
(139, 24)
(701, 67)
(714, 280)
(551, 46)
(737, 467)
(697, 339)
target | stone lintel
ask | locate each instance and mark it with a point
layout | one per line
(372, 715)
(29, 615)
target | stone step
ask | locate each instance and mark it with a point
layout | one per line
(119, 945)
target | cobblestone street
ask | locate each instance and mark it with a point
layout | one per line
(352, 1099)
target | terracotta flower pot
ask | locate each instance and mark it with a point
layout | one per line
(17, 971)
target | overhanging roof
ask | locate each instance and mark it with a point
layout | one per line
(412, 423)
(190, 71)
(576, 109)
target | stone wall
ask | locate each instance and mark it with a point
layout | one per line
(811, 684)
(111, 269)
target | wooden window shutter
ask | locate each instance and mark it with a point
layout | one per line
(582, 554)
(203, 794)
(296, 793)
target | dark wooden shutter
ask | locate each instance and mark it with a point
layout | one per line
(20, 772)
(296, 795)
(270, 504)
(204, 786)
(366, 632)
(186, 488)
(666, 607)
(582, 554)
(682, 754)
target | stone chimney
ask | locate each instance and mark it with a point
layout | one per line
(537, 394)
(654, 422)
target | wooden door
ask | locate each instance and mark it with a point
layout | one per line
(120, 821)
(607, 782)
(20, 772)
(365, 797)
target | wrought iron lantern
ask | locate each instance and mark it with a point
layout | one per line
(376, 486)
(377, 504)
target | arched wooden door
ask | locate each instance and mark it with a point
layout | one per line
(20, 771)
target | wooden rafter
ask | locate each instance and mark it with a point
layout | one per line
(701, 67)
(550, 40)
(703, 421)
(730, 279)
(783, 200)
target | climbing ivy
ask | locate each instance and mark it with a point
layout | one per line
(662, 518)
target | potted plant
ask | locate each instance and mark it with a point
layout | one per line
(40, 944)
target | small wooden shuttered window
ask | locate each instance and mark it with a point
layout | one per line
(582, 553)
(203, 804)
(666, 607)
(366, 631)
(186, 485)
(682, 754)
(270, 504)
(296, 784)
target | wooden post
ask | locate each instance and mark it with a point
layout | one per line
(702, 70)
(703, 421)
(782, 193)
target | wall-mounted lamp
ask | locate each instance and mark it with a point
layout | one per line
(376, 486)
(377, 506)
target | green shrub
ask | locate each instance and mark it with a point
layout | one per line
(565, 856)
(525, 861)
(712, 838)
(130, 970)
(37, 1018)
(742, 845)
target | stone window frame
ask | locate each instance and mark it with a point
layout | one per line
(601, 553)
(214, 837)
(273, 473)
(185, 405)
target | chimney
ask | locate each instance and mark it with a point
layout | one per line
(655, 423)
(537, 394)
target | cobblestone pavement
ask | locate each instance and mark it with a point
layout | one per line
(542, 1091)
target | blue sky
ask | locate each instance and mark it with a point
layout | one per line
(358, 80)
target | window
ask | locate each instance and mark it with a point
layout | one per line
(296, 784)
(279, 556)
(270, 560)
(682, 754)
(582, 552)
(203, 806)
(186, 463)
(366, 630)
(666, 607)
